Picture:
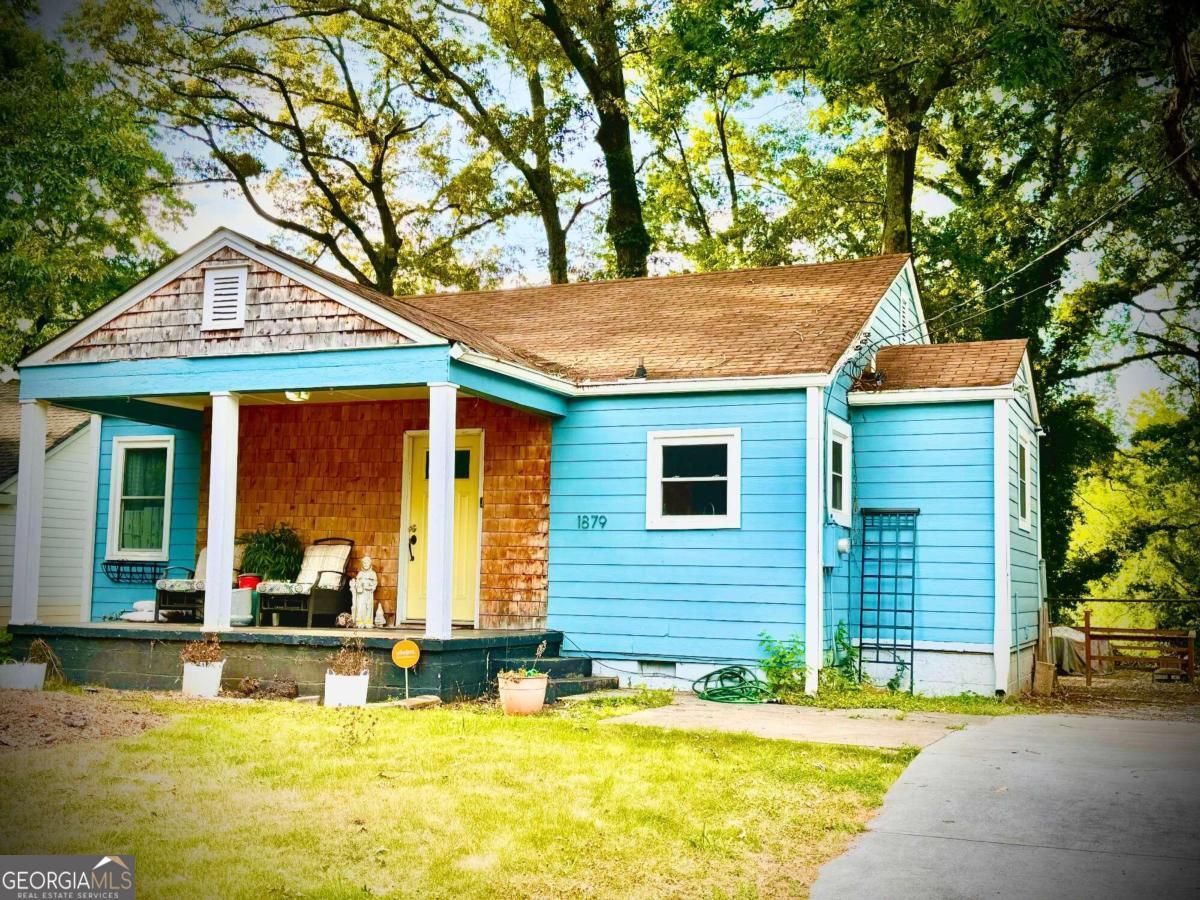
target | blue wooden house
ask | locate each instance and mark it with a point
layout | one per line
(647, 473)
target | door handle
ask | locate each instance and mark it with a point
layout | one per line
(412, 542)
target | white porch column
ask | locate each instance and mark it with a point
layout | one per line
(439, 571)
(222, 507)
(814, 527)
(31, 477)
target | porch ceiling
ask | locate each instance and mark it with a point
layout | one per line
(279, 398)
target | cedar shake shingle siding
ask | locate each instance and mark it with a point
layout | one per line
(336, 470)
(281, 316)
(978, 364)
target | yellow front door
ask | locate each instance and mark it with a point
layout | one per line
(468, 470)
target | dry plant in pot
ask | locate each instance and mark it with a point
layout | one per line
(523, 690)
(203, 662)
(31, 673)
(347, 677)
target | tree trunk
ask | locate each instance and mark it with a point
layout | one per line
(901, 166)
(626, 230)
(541, 182)
(1178, 20)
(603, 72)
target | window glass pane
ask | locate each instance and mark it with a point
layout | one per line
(695, 498)
(145, 472)
(835, 491)
(695, 460)
(1022, 470)
(462, 464)
(836, 458)
(142, 524)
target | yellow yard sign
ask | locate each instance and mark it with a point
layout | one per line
(405, 653)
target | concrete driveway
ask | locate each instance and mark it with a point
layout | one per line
(860, 727)
(1037, 806)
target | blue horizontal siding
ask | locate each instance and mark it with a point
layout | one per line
(1023, 550)
(697, 594)
(936, 458)
(108, 597)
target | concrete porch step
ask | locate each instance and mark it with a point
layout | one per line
(578, 684)
(554, 666)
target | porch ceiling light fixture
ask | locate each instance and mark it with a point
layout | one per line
(296, 396)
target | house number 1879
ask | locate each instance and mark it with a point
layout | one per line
(587, 522)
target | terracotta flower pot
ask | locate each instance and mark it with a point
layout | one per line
(523, 696)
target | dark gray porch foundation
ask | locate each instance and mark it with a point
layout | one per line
(146, 656)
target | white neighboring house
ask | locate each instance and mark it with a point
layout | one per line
(68, 509)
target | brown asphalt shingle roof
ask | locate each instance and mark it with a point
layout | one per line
(61, 424)
(785, 320)
(978, 364)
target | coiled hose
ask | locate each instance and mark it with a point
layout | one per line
(732, 684)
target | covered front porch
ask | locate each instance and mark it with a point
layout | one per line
(328, 443)
(145, 656)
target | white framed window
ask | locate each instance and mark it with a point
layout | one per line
(224, 298)
(1025, 481)
(838, 471)
(694, 478)
(139, 504)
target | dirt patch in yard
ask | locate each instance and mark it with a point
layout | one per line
(30, 719)
(1126, 694)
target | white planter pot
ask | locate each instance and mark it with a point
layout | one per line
(346, 690)
(202, 679)
(23, 676)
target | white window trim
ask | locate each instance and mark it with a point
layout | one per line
(116, 488)
(656, 440)
(1025, 522)
(206, 322)
(840, 431)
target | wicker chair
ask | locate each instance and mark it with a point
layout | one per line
(186, 595)
(321, 589)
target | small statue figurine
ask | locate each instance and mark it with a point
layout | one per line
(380, 618)
(363, 585)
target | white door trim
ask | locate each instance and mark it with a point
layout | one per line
(406, 499)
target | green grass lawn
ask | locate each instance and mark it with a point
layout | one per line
(283, 800)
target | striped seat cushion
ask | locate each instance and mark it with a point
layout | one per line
(330, 559)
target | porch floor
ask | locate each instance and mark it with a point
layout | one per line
(462, 636)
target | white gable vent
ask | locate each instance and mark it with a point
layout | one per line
(224, 298)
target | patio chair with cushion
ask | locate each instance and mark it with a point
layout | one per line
(321, 589)
(176, 596)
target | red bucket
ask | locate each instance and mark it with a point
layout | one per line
(249, 581)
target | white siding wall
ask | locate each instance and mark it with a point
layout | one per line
(65, 533)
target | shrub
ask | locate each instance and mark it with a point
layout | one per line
(782, 664)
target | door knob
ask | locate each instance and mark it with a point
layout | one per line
(412, 542)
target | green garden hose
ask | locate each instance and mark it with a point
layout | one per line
(732, 684)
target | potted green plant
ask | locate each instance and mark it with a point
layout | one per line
(523, 690)
(203, 663)
(270, 554)
(347, 677)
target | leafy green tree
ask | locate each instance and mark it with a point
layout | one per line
(316, 129)
(1139, 533)
(81, 188)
